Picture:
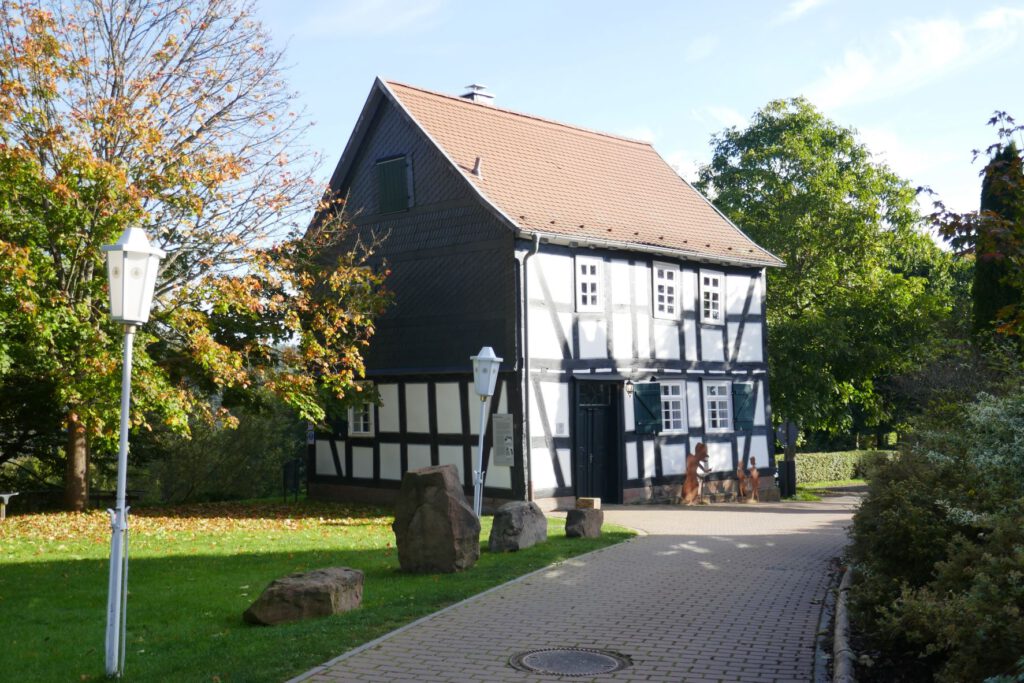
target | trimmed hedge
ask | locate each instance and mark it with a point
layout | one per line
(836, 466)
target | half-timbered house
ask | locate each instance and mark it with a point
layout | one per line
(629, 312)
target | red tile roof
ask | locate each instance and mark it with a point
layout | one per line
(569, 182)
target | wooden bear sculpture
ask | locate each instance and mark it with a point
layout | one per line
(698, 460)
(755, 480)
(741, 482)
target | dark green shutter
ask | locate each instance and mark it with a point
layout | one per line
(743, 400)
(647, 408)
(393, 179)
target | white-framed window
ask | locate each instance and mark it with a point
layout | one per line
(717, 406)
(712, 288)
(360, 420)
(665, 290)
(589, 284)
(673, 407)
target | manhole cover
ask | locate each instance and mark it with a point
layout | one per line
(570, 661)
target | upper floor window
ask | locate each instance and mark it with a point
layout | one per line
(711, 291)
(665, 290)
(394, 184)
(673, 407)
(717, 409)
(360, 420)
(589, 284)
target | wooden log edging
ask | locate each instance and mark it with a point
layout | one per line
(843, 657)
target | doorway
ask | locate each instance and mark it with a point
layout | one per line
(597, 464)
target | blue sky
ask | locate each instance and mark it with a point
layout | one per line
(917, 79)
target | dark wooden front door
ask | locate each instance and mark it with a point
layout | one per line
(597, 437)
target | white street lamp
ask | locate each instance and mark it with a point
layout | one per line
(485, 375)
(132, 265)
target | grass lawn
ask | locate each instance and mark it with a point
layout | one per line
(194, 569)
(814, 490)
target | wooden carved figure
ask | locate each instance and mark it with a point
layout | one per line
(741, 482)
(755, 479)
(695, 479)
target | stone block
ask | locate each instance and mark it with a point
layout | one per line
(517, 525)
(307, 595)
(435, 528)
(588, 503)
(584, 523)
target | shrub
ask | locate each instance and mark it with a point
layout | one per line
(220, 463)
(900, 530)
(939, 544)
(973, 612)
(836, 466)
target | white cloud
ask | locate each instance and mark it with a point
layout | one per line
(797, 9)
(642, 133)
(938, 167)
(684, 163)
(719, 116)
(914, 55)
(373, 17)
(699, 49)
(889, 148)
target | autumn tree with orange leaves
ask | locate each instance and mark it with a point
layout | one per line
(172, 115)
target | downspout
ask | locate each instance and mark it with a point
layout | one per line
(526, 366)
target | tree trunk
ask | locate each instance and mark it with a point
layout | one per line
(76, 476)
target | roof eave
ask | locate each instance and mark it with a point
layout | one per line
(669, 252)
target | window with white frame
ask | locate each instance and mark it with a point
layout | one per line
(673, 407)
(360, 420)
(665, 290)
(717, 408)
(589, 286)
(711, 290)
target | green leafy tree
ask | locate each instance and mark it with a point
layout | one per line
(993, 296)
(172, 115)
(994, 235)
(863, 286)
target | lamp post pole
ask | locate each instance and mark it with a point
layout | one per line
(131, 271)
(485, 377)
(478, 472)
(117, 593)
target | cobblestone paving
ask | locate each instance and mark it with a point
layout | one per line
(722, 593)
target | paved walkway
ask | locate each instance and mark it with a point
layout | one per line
(710, 594)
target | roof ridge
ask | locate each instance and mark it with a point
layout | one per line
(513, 112)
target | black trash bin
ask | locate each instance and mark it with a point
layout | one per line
(787, 478)
(293, 478)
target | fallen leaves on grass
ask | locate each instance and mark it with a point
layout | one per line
(200, 519)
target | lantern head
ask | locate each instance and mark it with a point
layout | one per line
(485, 371)
(132, 265)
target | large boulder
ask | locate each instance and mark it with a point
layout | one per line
(435, 528)
(518, 525)
(318, 593)
(584, 523)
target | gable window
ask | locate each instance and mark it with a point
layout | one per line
(711, 289)
(360, 420)
(394, 184)
(673, 407)
(589, 285)
(665, 290)
(717, 409)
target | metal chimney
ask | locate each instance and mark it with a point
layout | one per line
(477, 93)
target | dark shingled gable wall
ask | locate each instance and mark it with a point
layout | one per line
(451, 259)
